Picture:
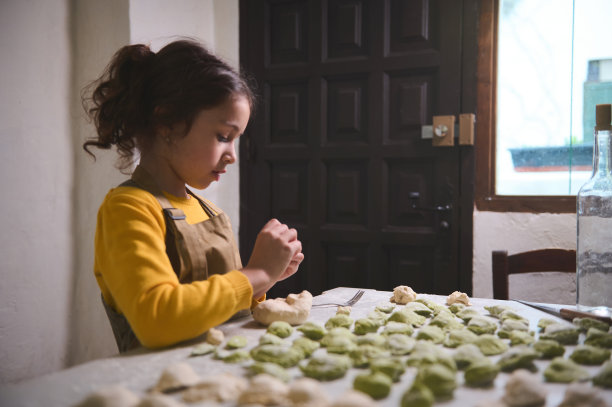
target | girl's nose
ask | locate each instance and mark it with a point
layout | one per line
(230, 156)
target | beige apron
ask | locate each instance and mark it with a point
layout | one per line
(195, 251)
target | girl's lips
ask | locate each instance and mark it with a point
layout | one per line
(217, 174)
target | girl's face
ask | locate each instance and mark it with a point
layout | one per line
(200, 157)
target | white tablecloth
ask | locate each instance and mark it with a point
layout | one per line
(140, 370)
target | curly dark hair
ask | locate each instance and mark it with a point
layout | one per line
(141, 91)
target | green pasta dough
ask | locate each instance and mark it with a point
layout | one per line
(398, 328)
(511, 325)
(562, 370)
(584, 324)
(481, 373)
(236, 342)
(326, 367)
(400, 344)
(603, 378)
(520, 357)
(281, 329)
(589, 355)
(366, 325)
(307, 345)
(339, 321)
(271, 369)
(596, 337)
(362, 354)
(392, 367)
(431, 333)
(482, 325)
(548, 348)
(466, 355)
(418, 395)
(285, 356)
(312, 330)
(490, 345)
(377, 385)
(457, 337)
(439, 379)
(562, 333)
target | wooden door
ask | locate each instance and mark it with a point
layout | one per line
(335, 148)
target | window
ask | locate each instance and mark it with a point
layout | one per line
(543, 65)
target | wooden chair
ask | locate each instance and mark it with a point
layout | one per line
(528, 262)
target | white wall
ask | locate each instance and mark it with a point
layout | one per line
(518, 232)
(36, 166)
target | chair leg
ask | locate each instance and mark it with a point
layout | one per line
(500, 274)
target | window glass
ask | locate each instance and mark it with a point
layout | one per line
(554, 65)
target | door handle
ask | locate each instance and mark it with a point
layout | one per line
(415, 196)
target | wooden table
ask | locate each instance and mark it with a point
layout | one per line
(140, 370)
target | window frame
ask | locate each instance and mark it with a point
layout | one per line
(486, 89)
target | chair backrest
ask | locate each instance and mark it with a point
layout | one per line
(528, 262)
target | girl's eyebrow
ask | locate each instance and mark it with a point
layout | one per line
(232, 124)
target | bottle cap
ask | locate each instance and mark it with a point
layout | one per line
(602, 117)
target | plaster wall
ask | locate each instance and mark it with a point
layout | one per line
(36, 165)
(518, 232)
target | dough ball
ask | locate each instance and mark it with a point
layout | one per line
(521, 357)
(490, 344)
(306, 392)
(392, 367)
(266, 390)
(524, 389)
(294, 309)
(561, 370)
(326, 367)
(582, 395)
(281, 329)
(603, 378)
(548, 348)
(271, 369)
(366, 325)
(458, 297)
(439, 379)
(481, 373)
(203, 349)
(417, 395)
(214, 336)
(285, 356)
(589, 355)
(403, 295)
(111, 396)
(236, 342)
(175, 377)
(312, 330)
(218, 387)
(482, 325)
(307, 345)
(344, 310)
(375, 384)
(159, 400)
(353, 398)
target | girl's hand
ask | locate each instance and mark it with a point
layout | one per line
(276, 255)
(292, 268)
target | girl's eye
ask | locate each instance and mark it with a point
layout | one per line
(222, 138)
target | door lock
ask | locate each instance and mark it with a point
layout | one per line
(415, 196)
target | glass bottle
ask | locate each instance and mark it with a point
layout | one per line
(594, 233)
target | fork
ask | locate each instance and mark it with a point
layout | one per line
(352, 301)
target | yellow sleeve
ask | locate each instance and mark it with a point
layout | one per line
(137, 279)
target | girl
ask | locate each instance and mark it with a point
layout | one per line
(165, 259)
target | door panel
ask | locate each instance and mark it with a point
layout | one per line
(335, 147)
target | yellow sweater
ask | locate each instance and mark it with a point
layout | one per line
(137, 280)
